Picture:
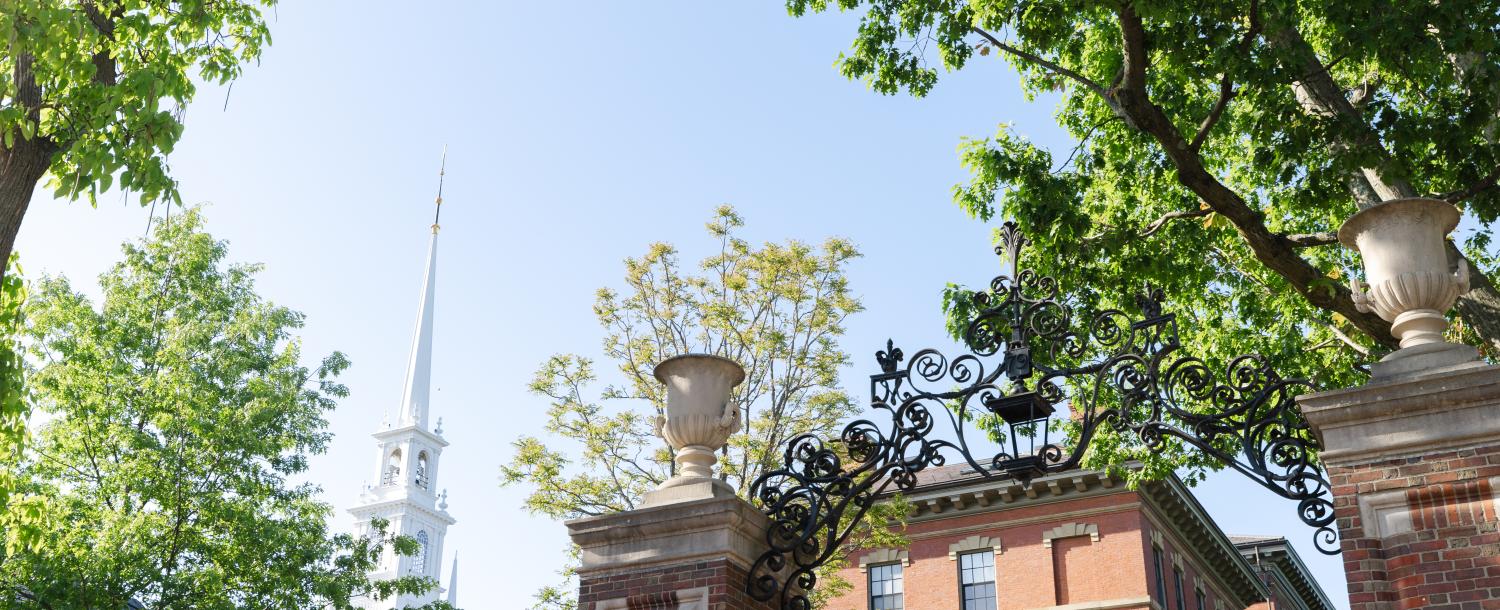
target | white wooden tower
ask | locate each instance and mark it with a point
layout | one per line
(407, 459)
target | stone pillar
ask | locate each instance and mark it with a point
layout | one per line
(1414, 455)
(691, 543)
(1414, 464)
(691, 555)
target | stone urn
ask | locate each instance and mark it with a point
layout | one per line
(699, 417)
(1406, 267)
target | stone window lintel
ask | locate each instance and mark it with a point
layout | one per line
(1069, 530)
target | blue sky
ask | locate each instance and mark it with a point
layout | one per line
(577, 134)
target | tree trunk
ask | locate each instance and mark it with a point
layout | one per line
(23, 164)
(1480, 307)
(1319, 95)
(21, 167)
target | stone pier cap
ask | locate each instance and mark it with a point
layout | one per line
(671, 534)
(1438, 411)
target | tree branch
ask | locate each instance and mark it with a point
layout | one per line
(1274, 251)
(1484, 184)
(1226, 83)
(1319, 95)
(1312, 240)
(1082, 142)
(1050, 66)
(1157, 224)
(1344, 337)
(106, 71)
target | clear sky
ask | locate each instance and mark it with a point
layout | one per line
(577, 134)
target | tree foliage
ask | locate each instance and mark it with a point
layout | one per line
(173, 415)
(777, 309)
(20, 524)
(1219, 146)
(92, 92)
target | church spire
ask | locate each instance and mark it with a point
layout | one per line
(415, 397)
(453, 582)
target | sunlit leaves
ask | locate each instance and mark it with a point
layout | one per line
(1424, 84)
(778, 309)
(114, 78)
(176, 415)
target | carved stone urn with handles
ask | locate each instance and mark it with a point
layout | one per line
(699, 419)
(1407, 279)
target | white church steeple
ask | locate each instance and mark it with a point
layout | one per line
(418, 390)
(407, 457)
(453, 583)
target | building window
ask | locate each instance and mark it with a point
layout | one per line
(419, 561)
(1177, 584)
(885, 587)
(1202, 605)
(976, 577)
(1161, 577)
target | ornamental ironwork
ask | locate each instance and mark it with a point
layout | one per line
(1031, 352)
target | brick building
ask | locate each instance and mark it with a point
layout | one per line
(1077, 540)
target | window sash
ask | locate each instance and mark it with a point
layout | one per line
(1161, 577)
(886, 587)
(976, 578)
(1177, 579)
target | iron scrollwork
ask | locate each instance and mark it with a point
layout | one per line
(1027, 358)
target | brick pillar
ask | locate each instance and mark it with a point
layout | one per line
(686, 555)
(1414, 458)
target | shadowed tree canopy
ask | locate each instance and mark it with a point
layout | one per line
(175, 416)
(1219, 146)
(92, 92)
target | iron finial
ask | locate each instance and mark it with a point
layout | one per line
(438, 203)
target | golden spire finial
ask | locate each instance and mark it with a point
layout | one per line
(442, 169)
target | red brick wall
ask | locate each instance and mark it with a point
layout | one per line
(1452, 559)
(1111, 567)
(1070, 579)
(657, 588)
(1190, 574)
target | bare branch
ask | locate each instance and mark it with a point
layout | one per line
(1312, 240)
(1082, 142)
(1344, 337)
(1169, 216)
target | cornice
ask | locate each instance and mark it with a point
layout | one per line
(410, 430)
(1290, 569)
(365, 510)
(979, 495)
(1193, 532)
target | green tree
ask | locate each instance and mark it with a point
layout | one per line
(92, 91)
(175, 412)
(1218, 147)
(20, 525)
(777, 309)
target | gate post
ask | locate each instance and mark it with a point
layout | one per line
(1414, 455)
(690, 544)
(1414, 465)
(688, 555)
